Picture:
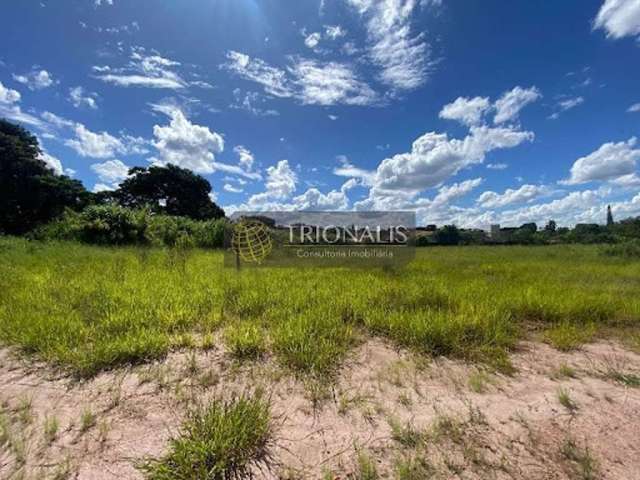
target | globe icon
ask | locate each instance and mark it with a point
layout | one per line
(251, 241)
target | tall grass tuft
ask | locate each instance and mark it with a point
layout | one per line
(245, 341)
(312, 343)
(223, 441)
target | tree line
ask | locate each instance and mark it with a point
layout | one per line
(531, 234)
(169, 205)
(35, 200)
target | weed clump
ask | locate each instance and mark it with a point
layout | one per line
(585, 464)
(221, 441)
(245, 341)
(568, 336)
(312, 344)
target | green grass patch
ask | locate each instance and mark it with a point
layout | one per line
(406, 435)
(88, 309)
(564, 371)
(628, 379)
(414, 468)
(245, 341)
(88, 420)
(366, 469)
(312, 344)
(51, 427)
(221, 441)
(568, 336)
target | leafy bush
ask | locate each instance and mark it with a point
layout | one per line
(164, 230)
(97, 224)
(116, 225)
(112, 225)
(171, 231)
(65, 227)
(628, 249)
(210, 234)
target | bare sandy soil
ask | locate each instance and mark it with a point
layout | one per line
(561, 415)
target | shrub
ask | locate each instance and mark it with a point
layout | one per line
(629, 249)
(98, 224)
(210, 234)
(65, 227)
(112, 225)
(116, 225)
(164, 230)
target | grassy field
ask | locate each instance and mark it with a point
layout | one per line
(88, 308)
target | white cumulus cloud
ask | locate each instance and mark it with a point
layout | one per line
(619, 18)
(37, 79)
(95, 145)
(330, 83)
(508, 106)
(313, 39)
(79, 98)
(8, 96)
(334, 31)
(246, 158)
(52, 162)
(434, 157)
(186, 145)
(450, 192)
(635, 108)
(468, 111)
(608, 162)
(111, 173)
(281, 180)
(511, 196)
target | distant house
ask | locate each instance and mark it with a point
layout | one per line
(501, 235)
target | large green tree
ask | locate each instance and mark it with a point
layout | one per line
(30, 192)
(170, 190)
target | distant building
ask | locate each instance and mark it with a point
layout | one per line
(494, 232)
(609, 216)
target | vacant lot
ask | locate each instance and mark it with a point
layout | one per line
(330, 372)
(89, 309)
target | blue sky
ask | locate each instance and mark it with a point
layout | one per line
(468, 112)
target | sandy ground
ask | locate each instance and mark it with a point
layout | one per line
(469, 423)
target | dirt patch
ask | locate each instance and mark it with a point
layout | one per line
(562, 415)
